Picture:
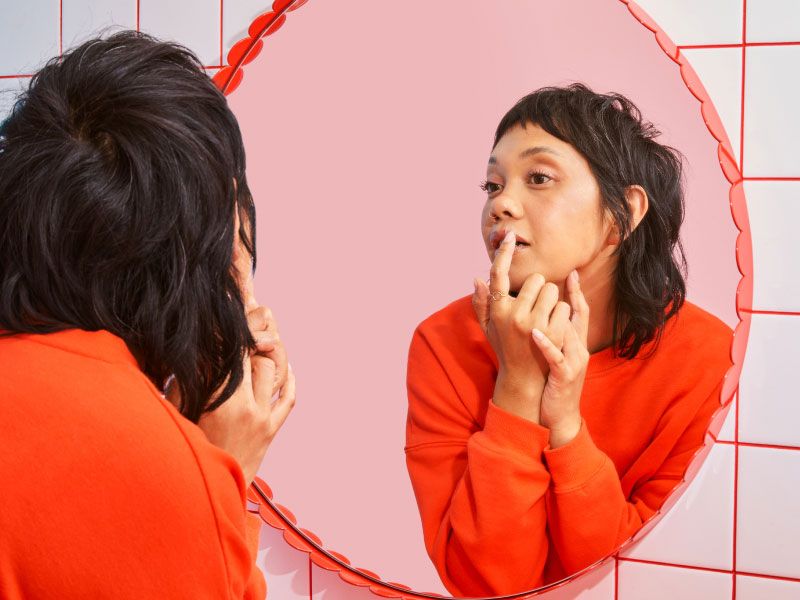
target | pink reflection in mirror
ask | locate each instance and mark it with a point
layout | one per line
(364, 159)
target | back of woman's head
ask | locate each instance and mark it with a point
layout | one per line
(621, 149)
(117, 202)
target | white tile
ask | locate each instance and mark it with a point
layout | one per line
(768, 522)
(698, 22)
(771, 121)
(193, 23)
(762, 588)
(9, 91)
(773, 21)
(84, 19)
(727, 432)
(236, 18)
(698, 529)
(769, 411)
(327, 585)
(639, 581)
(597, 584)
(773, 208)
(720, 70)
(29, 35)
(285, 569)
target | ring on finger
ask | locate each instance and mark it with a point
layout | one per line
(496, 295)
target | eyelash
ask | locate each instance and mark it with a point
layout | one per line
(485, 184)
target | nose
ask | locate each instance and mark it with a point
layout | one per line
(505, 205)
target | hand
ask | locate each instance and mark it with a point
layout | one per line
(507, 323)
(568, 359)
(246, 423)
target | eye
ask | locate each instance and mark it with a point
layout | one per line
(538, 178)
(489, 187)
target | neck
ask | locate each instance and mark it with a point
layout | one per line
(597, 284)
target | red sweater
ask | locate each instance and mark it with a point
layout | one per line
(501, 511)
(107, 491)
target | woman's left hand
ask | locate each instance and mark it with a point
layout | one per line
(560, 407)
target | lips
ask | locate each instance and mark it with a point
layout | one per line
(497, 236)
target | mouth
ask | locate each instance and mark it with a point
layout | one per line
(497, 236)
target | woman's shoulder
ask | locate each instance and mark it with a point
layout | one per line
(452, 321)
(693, 328)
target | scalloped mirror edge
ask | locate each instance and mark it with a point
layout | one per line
(279, 517)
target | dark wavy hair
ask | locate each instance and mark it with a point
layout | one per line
(117, 212)
(620, 147)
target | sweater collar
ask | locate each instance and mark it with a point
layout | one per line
(100, 344)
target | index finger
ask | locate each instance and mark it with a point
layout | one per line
(498, 275)
(580, 308)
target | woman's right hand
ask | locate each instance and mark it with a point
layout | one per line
(247, 422)
(508, 322)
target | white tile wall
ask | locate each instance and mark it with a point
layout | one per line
(597, 584)
(638, 581)
(774, 211)
(86, 18)
(727, 432)
(237, 17)
(769, 479)
(285, 569)
(768, 527)
(698, 529)
(772, 21)
(194, 23)
(29, 37)
(771, 124)
(759, 588)
(697, 21)
(720, 70)
(769, 410)
(9, 90)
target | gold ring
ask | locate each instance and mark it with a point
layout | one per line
(496, 295)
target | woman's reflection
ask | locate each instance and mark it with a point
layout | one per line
(539, 438)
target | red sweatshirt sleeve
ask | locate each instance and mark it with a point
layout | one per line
(480, 492)
(588, 513)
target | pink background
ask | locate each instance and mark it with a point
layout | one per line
(365, 148)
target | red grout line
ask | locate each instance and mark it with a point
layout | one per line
(310, 579)
(138, 13)
(771, 178)
(676, 565)
(748, 44)
(758, 445)
(221, 17)
(741, 107)
(765, 576)
(60, 27)
(783, 313)
(616, 578)
(15, 76)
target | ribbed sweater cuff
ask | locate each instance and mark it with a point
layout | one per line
(575, 463)
(504, 428)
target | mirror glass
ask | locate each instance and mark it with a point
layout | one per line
(368, 127)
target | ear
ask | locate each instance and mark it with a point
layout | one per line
(638, 204)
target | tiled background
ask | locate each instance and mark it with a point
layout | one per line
(734, 531)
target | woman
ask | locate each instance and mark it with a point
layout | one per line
(126, 236)
(538, 438)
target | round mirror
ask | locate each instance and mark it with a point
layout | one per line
(368, 128)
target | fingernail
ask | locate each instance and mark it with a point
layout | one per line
(537, 334)
(475, 284)
(575, 277)
(510, 237)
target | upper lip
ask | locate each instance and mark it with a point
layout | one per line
(498, 235)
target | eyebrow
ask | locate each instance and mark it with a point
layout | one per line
(529, 152)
